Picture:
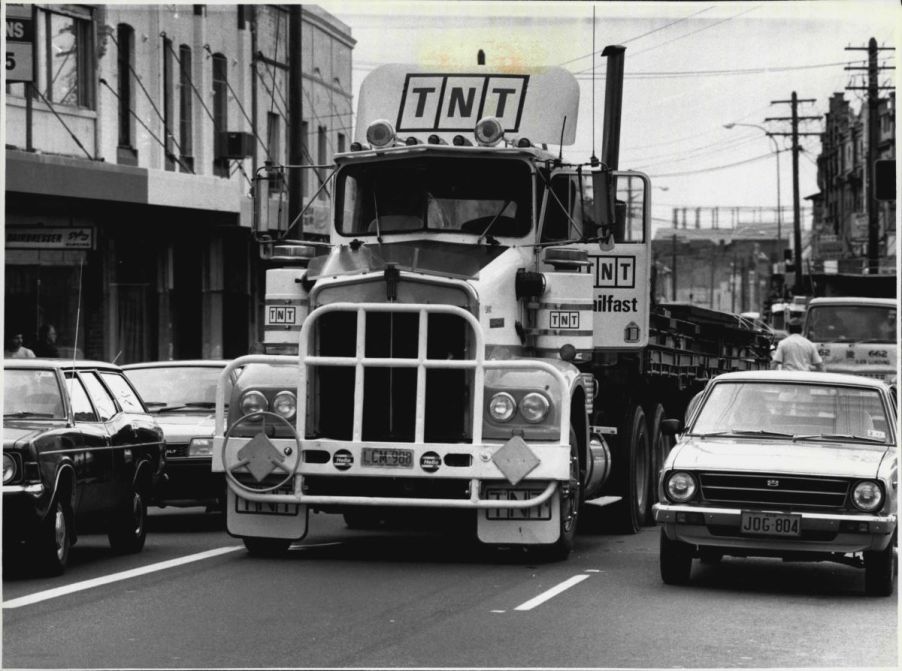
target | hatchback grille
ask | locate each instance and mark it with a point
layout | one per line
(773, 490)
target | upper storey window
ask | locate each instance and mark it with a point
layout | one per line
(65, 62)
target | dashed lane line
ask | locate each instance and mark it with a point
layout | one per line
(37, 597)
(551, 593)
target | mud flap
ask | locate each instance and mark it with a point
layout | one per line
(540, 525)
(264, 520)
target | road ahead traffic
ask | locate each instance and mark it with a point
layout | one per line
(408, 597)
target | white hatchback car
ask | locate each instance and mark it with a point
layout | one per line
(796, 465)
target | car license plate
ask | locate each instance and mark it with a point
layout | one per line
(770, 524)
(387, 457)
(267, 507)
(539, 512)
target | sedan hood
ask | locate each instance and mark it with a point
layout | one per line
(182, 428)
(778, 456)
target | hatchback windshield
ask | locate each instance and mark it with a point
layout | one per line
(177, 388)
(471, 195)
(31, 394)
(793, 409)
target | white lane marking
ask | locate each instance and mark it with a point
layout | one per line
(551, 593)
(115, 577)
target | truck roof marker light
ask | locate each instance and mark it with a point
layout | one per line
(524, 142)
(380, 133)
(411, 141)
(435, 139)
(356, 146)
(461, 141)
(489, 131)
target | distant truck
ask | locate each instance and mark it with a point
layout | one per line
(855, 335)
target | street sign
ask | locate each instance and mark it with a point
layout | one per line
(19, 43)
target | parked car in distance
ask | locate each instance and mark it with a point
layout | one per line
(786, 464)
(80, 454)
(182, 397)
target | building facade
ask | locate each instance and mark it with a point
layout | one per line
(130, 164)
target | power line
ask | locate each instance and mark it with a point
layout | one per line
(713, 168)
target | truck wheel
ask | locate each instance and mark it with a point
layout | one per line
(128, 527)
(660, 447)
(630, 474)
(676, 561)
(362, 519)
(54, 540)
(266, 547)
(880, 571)
(569, 499)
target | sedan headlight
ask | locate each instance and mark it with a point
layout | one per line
(200, 447)
(9, 468)
(502, 407)
(534, 407)
(867, 495)
(285, 404)
(680, 487)
(252, 401)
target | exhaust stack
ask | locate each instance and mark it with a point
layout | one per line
(613, 102)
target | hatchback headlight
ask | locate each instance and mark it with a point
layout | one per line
(867, 495)
(502, 407)
(285, 404)
(252, 401)
(9, 468)
(680, 487)
(200, 447)
(534, 407)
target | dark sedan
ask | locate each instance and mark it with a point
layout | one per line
(182, 397)
(80, 453)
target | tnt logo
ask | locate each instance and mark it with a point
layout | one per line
(563, 320)
(436, 102)
(282, 314)
(615, 272)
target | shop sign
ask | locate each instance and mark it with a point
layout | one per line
(44, 237)
(19, 43)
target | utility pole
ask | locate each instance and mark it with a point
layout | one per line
(673, 262)
(873, 88)
(295, 117)
(799, 287)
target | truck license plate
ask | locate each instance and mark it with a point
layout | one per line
(387, 457)
(539, 512)
(266, 507)
(770, 524)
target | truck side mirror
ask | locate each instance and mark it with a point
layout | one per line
(671, 427)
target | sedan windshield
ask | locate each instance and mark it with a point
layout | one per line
(177, 388)
(31, 394)
(470, 195)
(799, 410)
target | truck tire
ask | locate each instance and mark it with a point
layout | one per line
(54, 540)
(630, 474)
(128, 526)
(570, 500)
(660, 447)
(676, 561)
(880, 571)
(266, 547)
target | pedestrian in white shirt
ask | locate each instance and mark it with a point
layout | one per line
(796, 352)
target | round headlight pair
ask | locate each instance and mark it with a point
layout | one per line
(284, 404)
(9, 468)
(867, 495)
(680, 486)
(533, 407)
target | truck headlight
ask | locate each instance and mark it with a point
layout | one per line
(534, 407)
(502, 407)
(252, 401)
(867, 495)
(680, 486)
(285, 404)
(9, 468)
(200, 447)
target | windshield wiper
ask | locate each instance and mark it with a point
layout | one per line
(744, 432)
(485, 233)
(27, 413)
(838, 436)
(180, 406)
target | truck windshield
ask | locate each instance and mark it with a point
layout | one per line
(851, 323)
(470, 195)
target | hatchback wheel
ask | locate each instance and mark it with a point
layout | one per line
(676, 561)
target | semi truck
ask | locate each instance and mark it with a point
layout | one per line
(480, 332)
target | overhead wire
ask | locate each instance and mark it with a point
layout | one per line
(714, 168)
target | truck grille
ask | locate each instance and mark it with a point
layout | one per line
(390, 394)
(773, 490)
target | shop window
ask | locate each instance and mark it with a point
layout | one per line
(65, 56)
(220, 115)
(186, 122)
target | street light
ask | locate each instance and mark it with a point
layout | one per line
(777, 155)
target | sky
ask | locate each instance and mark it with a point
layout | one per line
(690, 69)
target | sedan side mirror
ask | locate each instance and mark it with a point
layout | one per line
(671, 427)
